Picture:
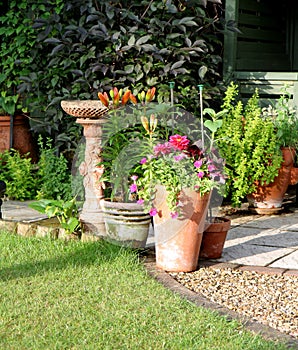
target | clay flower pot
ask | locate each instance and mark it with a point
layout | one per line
(214, 237)
(268, 198)
(17, 135)
(294, 176)
(178, 241)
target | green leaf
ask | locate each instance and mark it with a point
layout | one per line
(143, 39)
(131, 40)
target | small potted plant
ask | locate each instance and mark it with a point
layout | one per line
(126, 222)
(216, 227)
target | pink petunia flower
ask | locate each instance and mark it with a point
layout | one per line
(179, 142)
(134, 177)
(140, 201)
(179, 157)
(174, 215)
(200, 174)
(198, 163)
(143, 160)
(153, 211)
(211, 167)
(162, 149)
(133, 188)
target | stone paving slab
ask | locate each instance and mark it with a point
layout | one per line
(263, 237)
(250, 254)
(289, 261)
(280, 222)
(19, 211)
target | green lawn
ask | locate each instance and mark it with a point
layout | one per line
(74, 295)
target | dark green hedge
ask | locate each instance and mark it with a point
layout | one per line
(73, 49)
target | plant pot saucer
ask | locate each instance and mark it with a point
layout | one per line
(266, 211)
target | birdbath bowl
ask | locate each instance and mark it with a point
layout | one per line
(91, 115)
(84, 109)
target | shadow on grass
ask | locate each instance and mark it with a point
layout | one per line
(79, 254)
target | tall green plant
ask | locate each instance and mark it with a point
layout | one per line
(54, 177)
(18, 173)
(249, 145)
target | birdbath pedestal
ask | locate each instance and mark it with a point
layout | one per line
(91, 115)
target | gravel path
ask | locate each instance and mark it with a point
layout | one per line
(269, 299)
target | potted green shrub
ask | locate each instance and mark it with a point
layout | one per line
(249, 145)
(285, 120)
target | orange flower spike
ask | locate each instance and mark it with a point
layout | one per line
(145, 123)
(116, 97)
(150, 94)
(104, 98)
(141, 96)
(153, 123)
(133, 99)
(125, 97)
(153, 90)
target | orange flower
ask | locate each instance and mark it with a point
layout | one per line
(133, 99)
(125, 97)
(104, 98)
(150, 94)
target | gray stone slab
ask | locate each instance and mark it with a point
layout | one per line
(19, 211)
(266, 237)
(244, 232)
(248, 254)
(275, 221)
(288, 262)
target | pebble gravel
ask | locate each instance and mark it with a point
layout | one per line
(269, 299)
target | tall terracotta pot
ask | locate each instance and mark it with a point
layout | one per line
(22, 139)
(178, 241)
(271, 196)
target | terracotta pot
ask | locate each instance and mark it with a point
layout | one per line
(271, 196)
(126, 223)
(22, 137)
(294, 176)
(178, 241)
(214, 237)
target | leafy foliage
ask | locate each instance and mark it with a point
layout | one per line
(285, 120)
(53, 175)
(249, 145)
(18, 173)
(50, 178)
(65, 211)
(76, 49)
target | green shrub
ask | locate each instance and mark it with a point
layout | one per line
(53, 175)
(18, 173)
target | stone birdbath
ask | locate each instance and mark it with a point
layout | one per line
(91, 115)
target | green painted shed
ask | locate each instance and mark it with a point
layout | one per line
(265, 53)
